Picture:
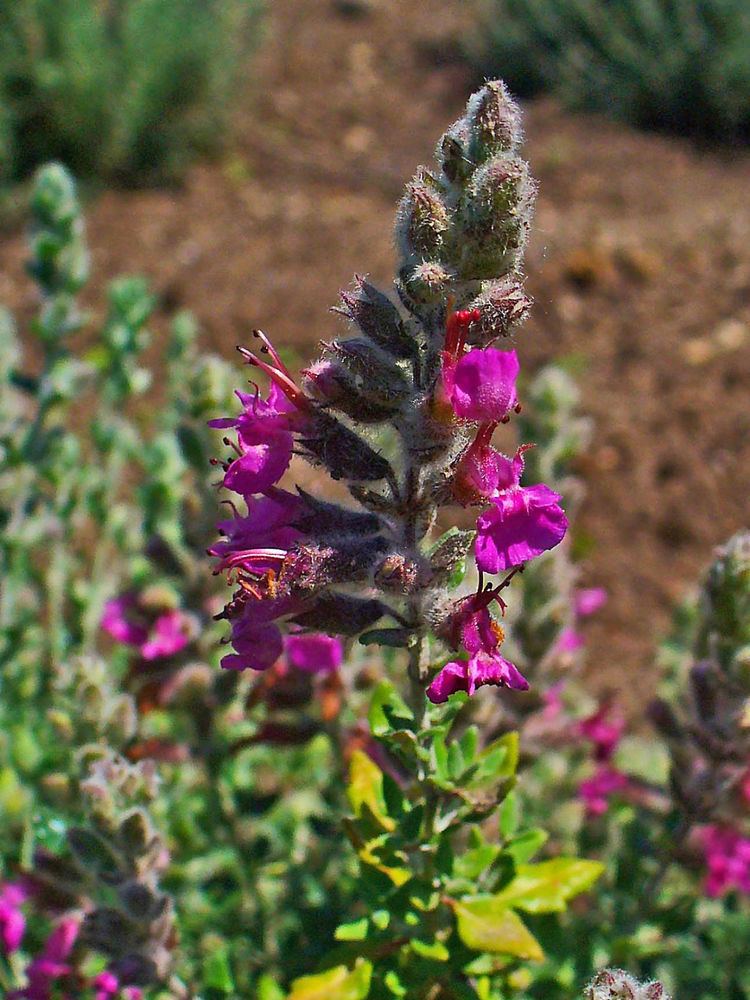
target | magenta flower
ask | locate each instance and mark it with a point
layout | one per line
(481, 385)
(468, 675)
(603, 730)
(521, 523)
(728, 860)
(569, 641)
(313, 653)
(265, 428)
(596, 791)
(127, 622)
(12, 920)
(469, 624)
(256, 640)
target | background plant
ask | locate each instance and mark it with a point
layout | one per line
(127, 90)
(676, 65)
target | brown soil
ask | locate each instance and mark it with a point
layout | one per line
(640, 265)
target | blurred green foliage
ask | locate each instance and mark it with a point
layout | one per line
(675, 65)
(127, 91)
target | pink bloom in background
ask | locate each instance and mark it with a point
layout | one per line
(569, 641)
(169, 634)
(127, 623)
(468, 675)
(481, 385)
(727, 859)
(588, 601)
(121, 622)
(604, 729)
(313, 653)
(595, 792)
(12, 920)
(51, 964)
(745, 787)
(106, 985)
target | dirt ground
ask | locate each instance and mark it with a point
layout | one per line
(639, 264)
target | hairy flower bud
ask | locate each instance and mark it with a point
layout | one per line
(494, 121)
(341, 614)
(422, 222)
(453, 152)
(333, 385)
(502, 305)
(614, 984)
(426, 283)
(377, 317)
(496, 218)
(377, 375)
(342, 452)
(311, 567)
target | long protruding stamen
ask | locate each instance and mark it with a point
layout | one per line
(243, 555)
(268, 347)
(281, 377)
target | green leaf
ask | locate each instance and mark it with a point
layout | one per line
(435, 950)
(498, 761)
(385, 706)
(486, 924)
(546, 887)
(523, 847)
(356, 930)
(217, 973)
(509, 814)
(339, 983)
(366, 789)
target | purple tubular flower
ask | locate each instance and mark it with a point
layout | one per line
(256, 640)
(468, 675)
(482, 385)
(313, 653)
(265, 441)
(12, 920)
(522, 522)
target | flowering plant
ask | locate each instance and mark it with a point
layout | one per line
(340, 805)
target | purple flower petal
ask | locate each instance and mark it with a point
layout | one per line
(522, 523)
(482, 386)
(314, 653)
(468, 675)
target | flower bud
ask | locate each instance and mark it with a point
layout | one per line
(422, 222)
(377, 376)
(377, 317)
(502, 304)
(426, 283)
(614, 984)
(452, 152)
(496, 218)
(400, 574)
(340, 614)
(311, 567)
(494, 121)
(342, 452)
(332, 385)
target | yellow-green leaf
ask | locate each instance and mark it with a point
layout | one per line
(546, 887)
(485, 924)
(339, 983)
(366, 789)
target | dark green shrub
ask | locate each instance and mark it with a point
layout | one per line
(127, 90)
(676, 65)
